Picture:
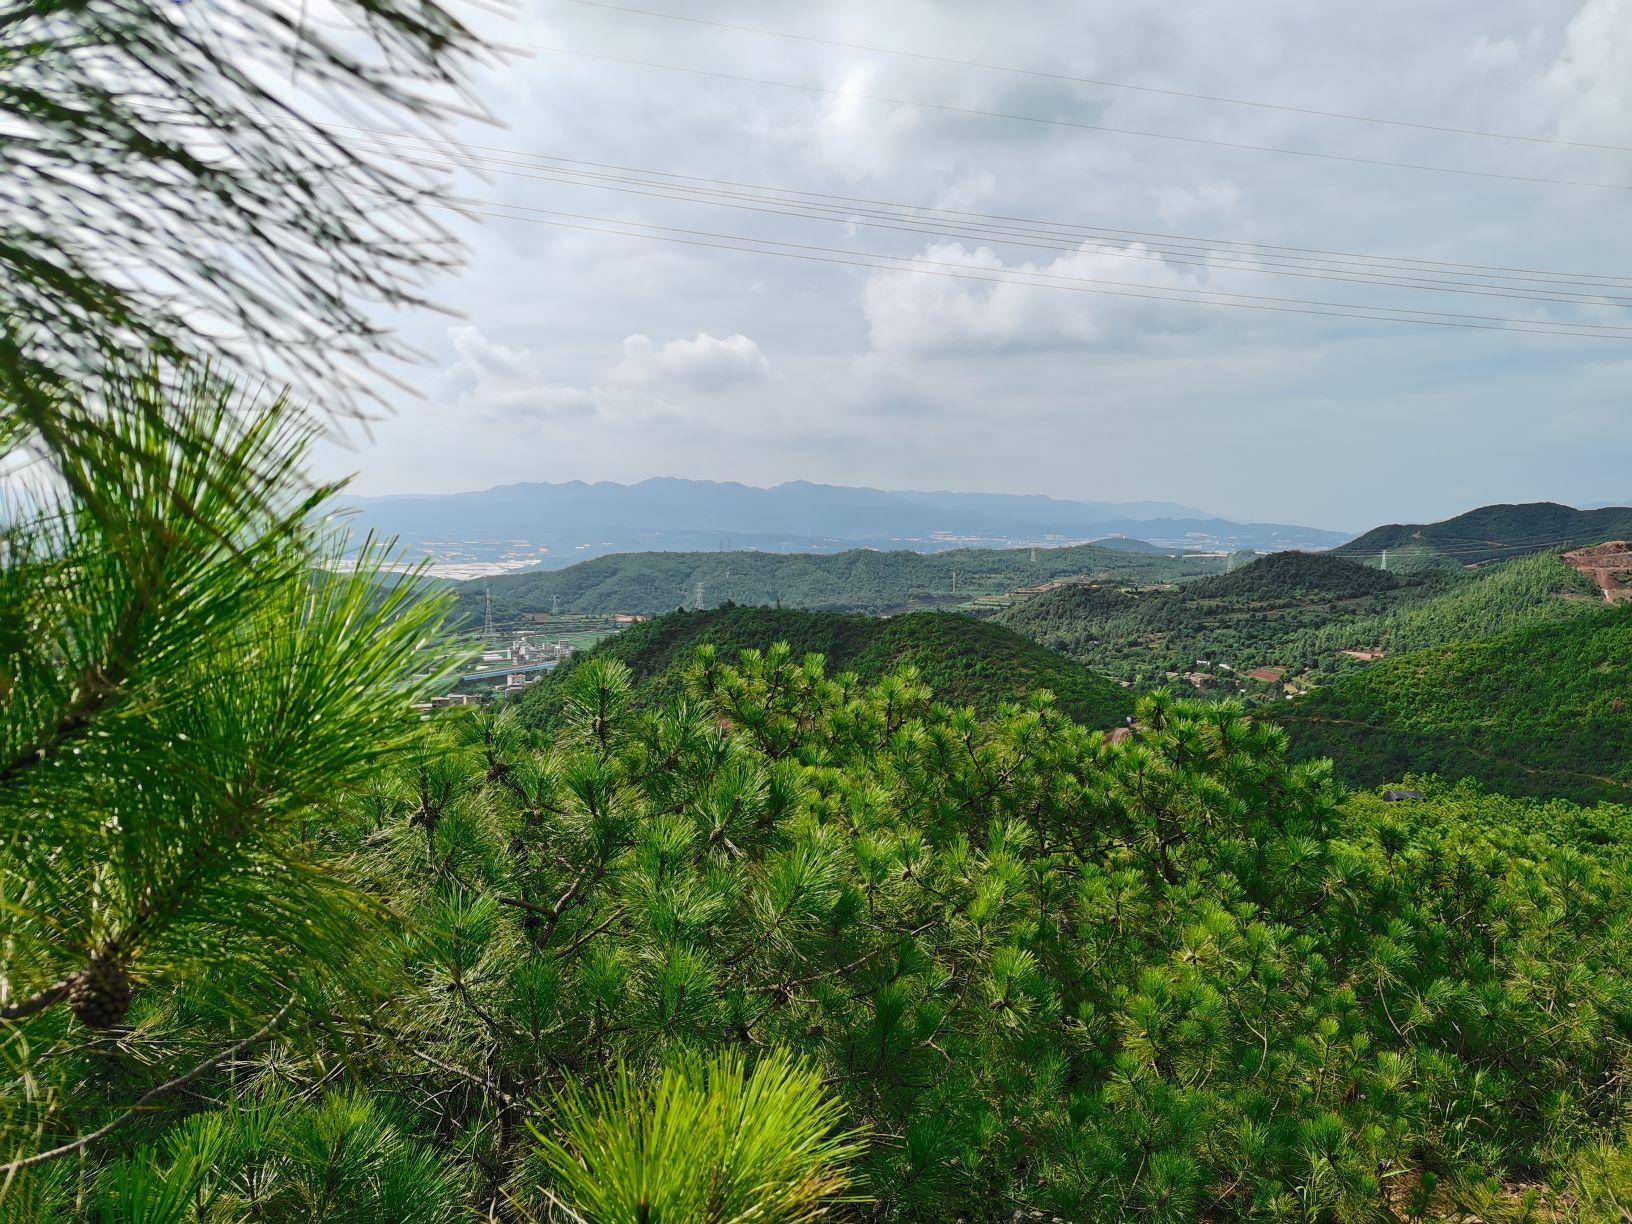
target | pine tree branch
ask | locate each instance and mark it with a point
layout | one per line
(590, 873)
(840, 970)
(584, 937)
(37, 1002)
(151, 1095)
(479, 1081)
(98, 686)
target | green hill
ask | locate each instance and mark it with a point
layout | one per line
(1542, 710)
(964, 660)
(861, 580)
(1490, 533)
(1059, 618)
(1240, 618)
(1297, 611)
(1459, 607)
(1293, 575)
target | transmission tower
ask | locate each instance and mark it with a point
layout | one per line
(487, 621)
(697, 598)
(1385, 559)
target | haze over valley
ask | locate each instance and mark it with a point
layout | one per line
(547, 526)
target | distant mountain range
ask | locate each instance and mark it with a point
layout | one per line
(541, 525)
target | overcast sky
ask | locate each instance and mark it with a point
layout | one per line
(584, 355)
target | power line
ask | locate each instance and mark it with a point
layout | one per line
(1140, 235)
(1013, 235)
(462, 157)
(747, 244)
(1018, 117)
(1010, 278)
(1468, 548)
(1102, 83)
(1059, 243)
(839, 255)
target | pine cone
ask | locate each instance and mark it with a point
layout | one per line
(100, 995)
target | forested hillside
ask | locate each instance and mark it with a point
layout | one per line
(1490, 533)
(1296, 611)
(1491, 599)
(1281, 575)
(861, 580)
(1544, 710)
(1240, 618)
(963, 660)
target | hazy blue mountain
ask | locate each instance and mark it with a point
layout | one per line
(1129, 544)
(557, 524)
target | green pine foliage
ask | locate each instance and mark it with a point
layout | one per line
(1169, 979)
(174, 189)
(183, 695)
(963, 660)
(709, 1140)
(764, 942)
(337, 1157)
(1540, 711)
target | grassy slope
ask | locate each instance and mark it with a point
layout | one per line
(965, 661)
(1530, 711)
(862, 580)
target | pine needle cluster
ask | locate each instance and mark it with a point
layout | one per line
(190, 677)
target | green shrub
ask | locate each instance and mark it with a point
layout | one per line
(710, 1141)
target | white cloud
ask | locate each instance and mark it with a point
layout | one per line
(483, 358)
(1084, 297)
(1590, 83)
(705, 362)
(1208, 202)
(490, 382)
(894, 379)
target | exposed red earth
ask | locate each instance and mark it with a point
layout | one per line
(1608, 565)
